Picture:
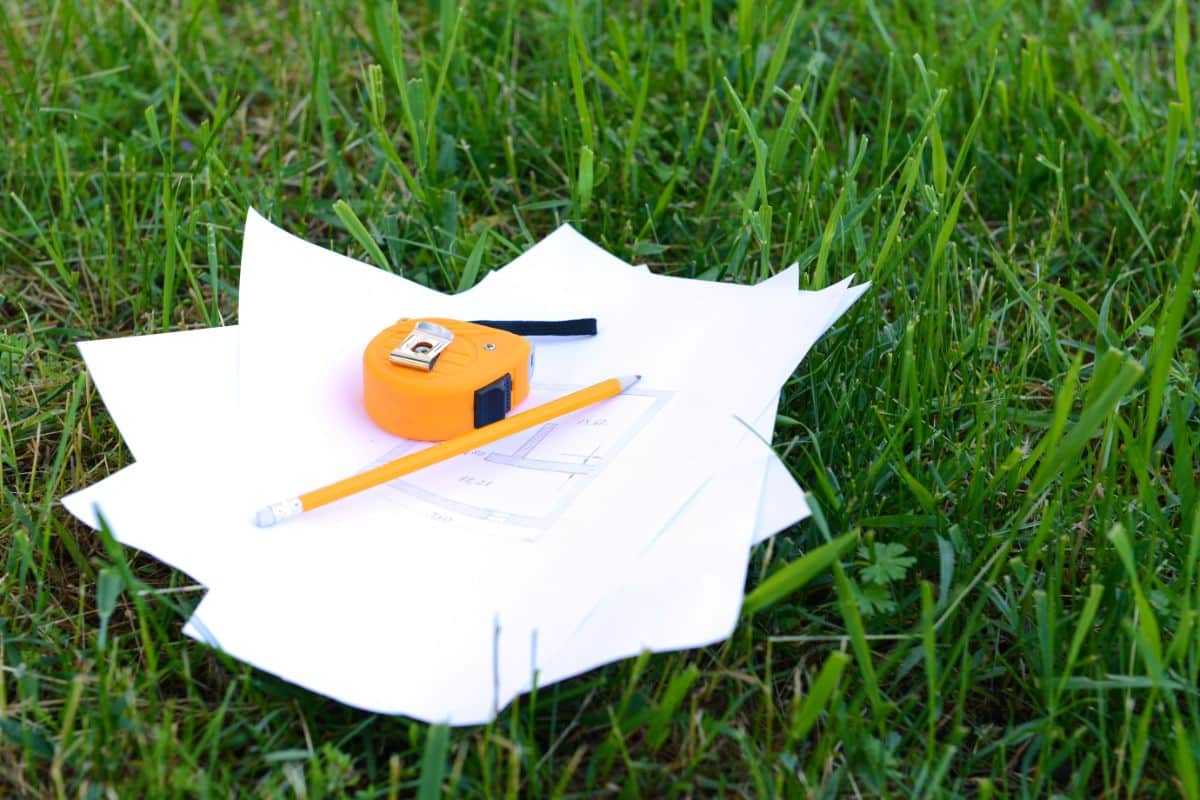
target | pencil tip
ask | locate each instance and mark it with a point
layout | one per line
(629, 380)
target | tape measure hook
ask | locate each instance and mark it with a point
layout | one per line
(421, 348)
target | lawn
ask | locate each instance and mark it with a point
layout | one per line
(1008, 420)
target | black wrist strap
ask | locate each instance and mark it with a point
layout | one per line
(523, 327)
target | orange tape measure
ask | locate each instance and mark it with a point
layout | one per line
(433, 379)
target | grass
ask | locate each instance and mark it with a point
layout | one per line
(1007, 423)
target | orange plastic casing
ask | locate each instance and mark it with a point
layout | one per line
(440, 404)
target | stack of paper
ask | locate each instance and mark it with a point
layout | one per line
(620, 528)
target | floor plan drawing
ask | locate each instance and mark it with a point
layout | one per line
(526, 480)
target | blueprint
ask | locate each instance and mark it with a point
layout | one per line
(525, 481)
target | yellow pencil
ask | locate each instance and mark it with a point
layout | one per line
(285, 509)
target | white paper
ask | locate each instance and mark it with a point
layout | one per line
(202, 385)
(536, 598)
(173, 412)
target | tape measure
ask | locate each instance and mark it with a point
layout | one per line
(433, 378)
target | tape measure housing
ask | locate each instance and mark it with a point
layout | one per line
(475, 380)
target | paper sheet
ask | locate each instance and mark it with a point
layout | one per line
(483, 567)
(211, 385)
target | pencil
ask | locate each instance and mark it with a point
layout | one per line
(286, 509)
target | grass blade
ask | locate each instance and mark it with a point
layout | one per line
(359, 231)
(818, 696)
(1166, 341)
(433, 762)
(791, 577)
(1093, 416)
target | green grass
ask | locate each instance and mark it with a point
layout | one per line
(1008, 420)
